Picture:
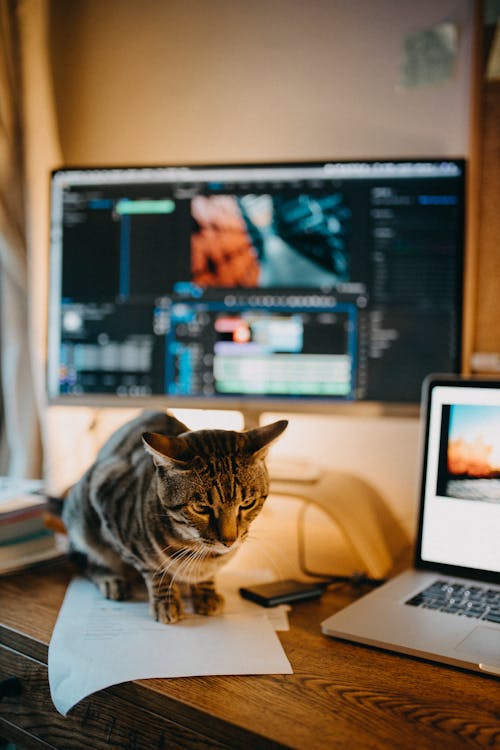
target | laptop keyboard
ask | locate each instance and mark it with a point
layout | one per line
(459, 599)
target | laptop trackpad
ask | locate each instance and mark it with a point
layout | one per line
(482, 645)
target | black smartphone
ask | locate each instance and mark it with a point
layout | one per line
(281, 592)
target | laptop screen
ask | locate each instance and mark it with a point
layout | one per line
(460, 510)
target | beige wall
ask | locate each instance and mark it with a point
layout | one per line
(172, 81)
(165, 81)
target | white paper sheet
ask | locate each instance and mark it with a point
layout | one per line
(97, 643)
(230, 581)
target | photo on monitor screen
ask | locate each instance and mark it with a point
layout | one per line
(469, 465)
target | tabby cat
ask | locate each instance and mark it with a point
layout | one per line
(170, 504)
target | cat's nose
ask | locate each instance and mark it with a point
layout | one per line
(227, 527)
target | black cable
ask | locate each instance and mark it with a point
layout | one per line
(357, 579)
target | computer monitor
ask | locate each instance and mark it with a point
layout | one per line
(301, 286)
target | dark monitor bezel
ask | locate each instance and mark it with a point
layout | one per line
(271, 403)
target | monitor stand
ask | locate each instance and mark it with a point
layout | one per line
(354, 504)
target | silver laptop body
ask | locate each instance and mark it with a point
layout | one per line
(447, 608)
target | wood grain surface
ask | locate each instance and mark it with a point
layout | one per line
(487, 332)
(340, 696)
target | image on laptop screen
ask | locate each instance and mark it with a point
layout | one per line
(461, 515)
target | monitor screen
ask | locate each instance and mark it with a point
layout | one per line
(272, 284)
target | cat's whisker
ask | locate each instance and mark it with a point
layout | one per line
(177, 561)
(180, 572)
(264, 544)
(173, 577)
(204, 554)
(186, 569)
(196, 562)
(176, 558)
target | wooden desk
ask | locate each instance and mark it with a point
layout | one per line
(340, 695)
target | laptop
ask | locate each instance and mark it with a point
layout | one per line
(447, 607)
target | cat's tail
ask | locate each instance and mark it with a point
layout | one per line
(53, 512)
(53, 520)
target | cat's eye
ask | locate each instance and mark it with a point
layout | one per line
(201, 508)
(249, 502)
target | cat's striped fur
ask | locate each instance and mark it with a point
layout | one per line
(170, 504)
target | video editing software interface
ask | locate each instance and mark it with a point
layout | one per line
(329, 281)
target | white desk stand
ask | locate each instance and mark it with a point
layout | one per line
(358, 509)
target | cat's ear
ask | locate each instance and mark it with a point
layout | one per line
(167, 451)
(259, 439)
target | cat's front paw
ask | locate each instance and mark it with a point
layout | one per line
(207, 601)
(168, 610)
(114, 587)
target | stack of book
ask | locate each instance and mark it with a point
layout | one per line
(25, 538)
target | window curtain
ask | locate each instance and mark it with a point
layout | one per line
(28, 151)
